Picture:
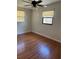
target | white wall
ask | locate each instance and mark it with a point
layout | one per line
(23, 27)
(50, 31)
(34, 24)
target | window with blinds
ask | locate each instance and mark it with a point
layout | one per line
(48, 14)
(20, 16)
(48, 17)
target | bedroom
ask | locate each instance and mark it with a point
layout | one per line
(33, 29)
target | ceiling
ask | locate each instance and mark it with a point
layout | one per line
(20, 3)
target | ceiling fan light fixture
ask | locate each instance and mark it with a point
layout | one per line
(36, 0)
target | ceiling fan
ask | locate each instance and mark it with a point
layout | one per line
(34, 3)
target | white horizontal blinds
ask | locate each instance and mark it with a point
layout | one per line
(48, 17)
(48, 14)
(20, 16)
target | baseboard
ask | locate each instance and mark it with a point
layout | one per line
(42, 36)
(47, 37)
(24, 33)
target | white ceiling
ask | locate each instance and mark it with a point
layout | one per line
(20, 3)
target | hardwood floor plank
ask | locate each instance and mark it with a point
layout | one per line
(33, 46)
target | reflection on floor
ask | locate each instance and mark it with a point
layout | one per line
(33, 46)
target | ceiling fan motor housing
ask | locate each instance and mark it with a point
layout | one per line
(34, 3)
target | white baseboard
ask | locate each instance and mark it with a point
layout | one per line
(48, 37)
(23, 32)
(20, 33)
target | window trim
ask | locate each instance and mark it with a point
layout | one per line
(47, 23)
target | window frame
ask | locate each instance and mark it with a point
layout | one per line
(47, 23)
(48, 17)
(18, 16)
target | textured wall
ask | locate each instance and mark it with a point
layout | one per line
(51, 31)
(23, 27)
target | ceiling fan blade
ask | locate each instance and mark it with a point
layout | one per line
(26, 1)
(40, 5)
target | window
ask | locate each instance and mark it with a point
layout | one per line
(47, 20)
(48, 17)
(20, 16)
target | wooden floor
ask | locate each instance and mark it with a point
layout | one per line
(33, 46)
